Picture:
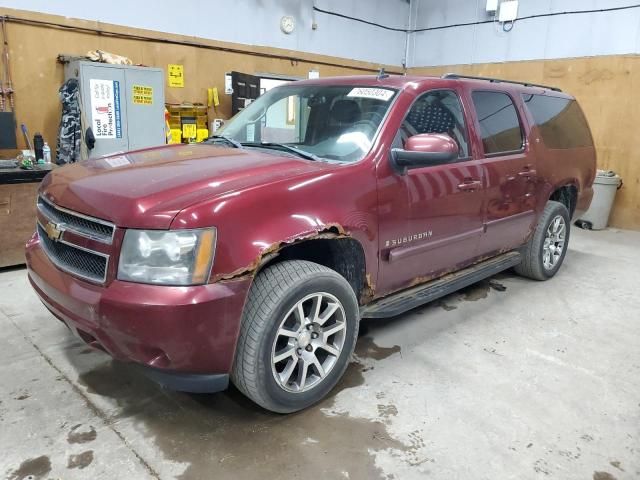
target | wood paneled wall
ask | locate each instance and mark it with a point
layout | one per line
(37, 76)
(608, 88)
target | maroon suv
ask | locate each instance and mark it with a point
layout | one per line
(253, 255)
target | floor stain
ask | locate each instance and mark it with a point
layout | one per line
(416, 445)
(76, 435)
(540, 466)
(366, 348)
(480, 290)
(616, 464)
(81, 460)
(24, 396)
(444, 305)
(219, 432)
(34, 468)
(386, 411)
(603, 476)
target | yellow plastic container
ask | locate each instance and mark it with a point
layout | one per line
(183, 116)
(202, 134)
(176, 135)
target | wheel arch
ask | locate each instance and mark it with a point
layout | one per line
(567, 194)
(341, 253)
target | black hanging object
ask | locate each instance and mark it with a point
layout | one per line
(8, 130)
(70, 133)
(89, 139)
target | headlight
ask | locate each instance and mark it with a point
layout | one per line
(176, 257)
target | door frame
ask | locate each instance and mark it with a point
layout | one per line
(389, 256)
(525, 152)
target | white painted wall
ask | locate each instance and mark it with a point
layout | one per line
(541, 38)
(254, 22)
(257, 22)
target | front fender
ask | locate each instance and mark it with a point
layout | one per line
(255, 223)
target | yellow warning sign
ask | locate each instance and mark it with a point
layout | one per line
(142, 95)
(176, 75)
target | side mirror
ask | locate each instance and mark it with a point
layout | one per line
(424, 150)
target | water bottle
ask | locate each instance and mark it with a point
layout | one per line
(46, 153)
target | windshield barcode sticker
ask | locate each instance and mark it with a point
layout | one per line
(118, 161)
(366, 92)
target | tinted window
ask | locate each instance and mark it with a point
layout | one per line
(560, 121)
(499, 124)
(437, 112)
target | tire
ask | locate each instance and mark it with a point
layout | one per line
(533, 263)
(272, 324)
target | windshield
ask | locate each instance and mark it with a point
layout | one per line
(330, 122)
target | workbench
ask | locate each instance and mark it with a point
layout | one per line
(18, 195)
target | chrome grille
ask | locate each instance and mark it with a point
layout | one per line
(74, 259)
(83, 225)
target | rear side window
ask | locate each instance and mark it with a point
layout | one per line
(499, 124)
(560, 121)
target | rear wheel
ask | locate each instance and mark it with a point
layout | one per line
(298, 332)
(544, 253)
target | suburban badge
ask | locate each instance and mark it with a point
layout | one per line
(409, 238)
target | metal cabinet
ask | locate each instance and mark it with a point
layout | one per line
(124, 105)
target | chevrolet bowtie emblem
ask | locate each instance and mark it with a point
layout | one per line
(54, 230)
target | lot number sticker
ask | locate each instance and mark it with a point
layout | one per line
(118, 161)
(105, 108)
(377, 93)
(142, 95)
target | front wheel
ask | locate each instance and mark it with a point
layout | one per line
(299, 329)
(544, 253)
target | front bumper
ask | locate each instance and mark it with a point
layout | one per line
(182, 335)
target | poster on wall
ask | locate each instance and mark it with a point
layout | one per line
(176, 75)
(105, 108)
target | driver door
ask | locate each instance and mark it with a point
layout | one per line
(430, 217)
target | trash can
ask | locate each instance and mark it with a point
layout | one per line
(604, 193)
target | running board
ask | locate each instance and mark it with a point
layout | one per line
(405, 300)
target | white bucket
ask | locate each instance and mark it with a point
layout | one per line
(604, 193)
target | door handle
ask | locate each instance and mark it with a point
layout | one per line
(528, 172)
(470, 185)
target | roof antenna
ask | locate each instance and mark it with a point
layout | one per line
(382, 74)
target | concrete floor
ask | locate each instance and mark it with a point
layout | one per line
(541, 380)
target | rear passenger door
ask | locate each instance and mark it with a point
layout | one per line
(510, 171)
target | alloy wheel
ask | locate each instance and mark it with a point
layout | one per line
(308, 343)
(554, 242)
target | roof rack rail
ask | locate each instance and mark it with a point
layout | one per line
(499, 80)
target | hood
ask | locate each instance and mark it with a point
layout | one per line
(147, 188)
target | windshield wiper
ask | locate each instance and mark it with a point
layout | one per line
(283, 146)
(227, 140)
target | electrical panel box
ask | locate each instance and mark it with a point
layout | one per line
(508, 11)
(492, 6)
(123, 105)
